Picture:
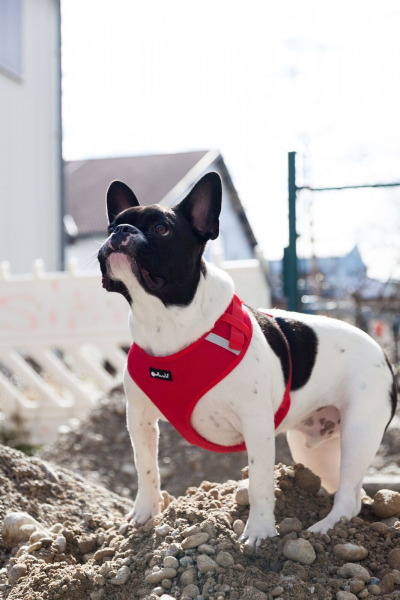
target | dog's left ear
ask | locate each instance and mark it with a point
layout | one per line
(119, 198)
(202, 206)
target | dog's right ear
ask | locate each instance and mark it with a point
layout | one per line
(119, 198)
(202, 206)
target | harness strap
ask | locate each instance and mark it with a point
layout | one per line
(285, 404)
(239, 330)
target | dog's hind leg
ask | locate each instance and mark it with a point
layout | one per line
(323, 459)
(363, 423)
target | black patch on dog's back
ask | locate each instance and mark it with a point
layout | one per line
(275, 339)
(393, 392)
(303, 344)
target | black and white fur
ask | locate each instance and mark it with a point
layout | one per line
(343, 393)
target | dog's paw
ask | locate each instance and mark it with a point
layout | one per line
(145, 508)
(322, 526)
(257, 530)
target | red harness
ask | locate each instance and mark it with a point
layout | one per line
(176, 383)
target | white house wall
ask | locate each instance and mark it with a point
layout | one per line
(30, 202)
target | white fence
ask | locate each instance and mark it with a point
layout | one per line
(63, 341)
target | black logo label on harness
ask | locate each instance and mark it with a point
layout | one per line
(159, 374)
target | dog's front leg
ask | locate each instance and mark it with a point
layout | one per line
(142, 417)
(259, 436)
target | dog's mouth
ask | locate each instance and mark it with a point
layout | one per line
(145, 277)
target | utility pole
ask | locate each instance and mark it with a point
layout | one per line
(290, 256)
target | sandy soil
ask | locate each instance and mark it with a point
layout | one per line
(85, 550)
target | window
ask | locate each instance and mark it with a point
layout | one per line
(10, 36)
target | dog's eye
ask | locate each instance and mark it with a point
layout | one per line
(161, 229)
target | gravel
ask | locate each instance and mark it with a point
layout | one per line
(86, 551)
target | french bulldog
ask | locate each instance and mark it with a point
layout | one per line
(343, 393)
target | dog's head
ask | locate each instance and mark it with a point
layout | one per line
(156, 247)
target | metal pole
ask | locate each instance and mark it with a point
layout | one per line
(292, 252)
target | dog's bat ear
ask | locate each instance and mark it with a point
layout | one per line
(202, 206)
(119, 198)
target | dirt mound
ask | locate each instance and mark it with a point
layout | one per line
(82, 549)
(100, 449)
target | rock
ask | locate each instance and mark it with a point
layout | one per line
(103, 552)
(166, 597)
(191, 531)
(122, 576)
(163, 529)
(242, 493)
(387, 583)
(173, 550)
(356, 585)
(36, 536)
(12, 529)
(16, 571)
(350, 552)
(390, 521)
(379, 527)
(61, 544)
(46, 541)
(251, 593)
(396, 575)
(386, 504)
(206, 549)
(394, 558)
(28, 531)
(352, 570)
(306, 480)
(123, 528)
(374, 590)
(293, 569)
(34, 547)
(189, 576)
(171, 562)
(363, 594)
(190, 591)
(195, 540)
(299, 550)
(186, 561)
(158, 576)
(95, 595)
(277, 591)
(224, 559)
(238, 527)
(86, 545)
(158, 590)
(205, 563)
(56, 528)
(290, 524)
(345, 596)
(22, 550)
(166, 584)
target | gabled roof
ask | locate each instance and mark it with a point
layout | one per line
(151, 178)
(156, 178)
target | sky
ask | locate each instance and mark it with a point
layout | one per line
(255, 79)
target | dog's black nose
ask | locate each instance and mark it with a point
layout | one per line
(123, 229)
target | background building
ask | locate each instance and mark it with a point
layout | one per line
(156, 179)
(30, 130)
